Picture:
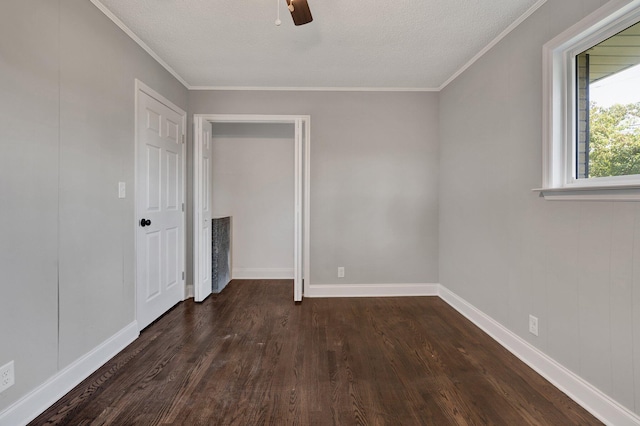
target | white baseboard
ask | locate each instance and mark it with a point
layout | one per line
(588, 396)
(37, 401)
(262, 273)
(370, 290)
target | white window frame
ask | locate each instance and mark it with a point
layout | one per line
(559, 107)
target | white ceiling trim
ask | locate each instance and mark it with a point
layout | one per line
(320, 89)
(455, 75)
(141, 43)
(495, 41)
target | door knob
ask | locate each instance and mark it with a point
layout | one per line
(145, 222)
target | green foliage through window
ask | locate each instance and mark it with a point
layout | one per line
(614, 140)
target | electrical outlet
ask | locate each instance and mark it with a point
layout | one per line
(341, 272)
(533, 325)
(7, 378)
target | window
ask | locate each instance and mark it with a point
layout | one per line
(592, 105)
(607, 87)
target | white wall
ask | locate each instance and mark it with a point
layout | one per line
(575, 265)
(374, 179)
(253, 175)
(67, 138)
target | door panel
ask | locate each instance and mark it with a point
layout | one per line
(206, 214)
(173, 258)
(152, 265)
(173, 183)
(204, 217)
(153, 178)
(173, 132)
(298, 197)
(159, 186)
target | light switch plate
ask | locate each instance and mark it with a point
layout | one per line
(122, 190)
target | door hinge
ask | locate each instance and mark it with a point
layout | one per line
(182, 275)
(182, 206)
(184, 137)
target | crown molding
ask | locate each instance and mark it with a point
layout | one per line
(495, 41)
(318, 89)
(155, 56)
(137, 39)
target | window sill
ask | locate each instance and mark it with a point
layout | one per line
(591, 193)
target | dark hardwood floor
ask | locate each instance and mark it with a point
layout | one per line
(250, 356)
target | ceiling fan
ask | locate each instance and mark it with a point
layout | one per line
(300, 12)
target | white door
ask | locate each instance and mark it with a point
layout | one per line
(159, 208)
(203, 218)
(298, 198)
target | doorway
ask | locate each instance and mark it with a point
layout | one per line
(201, 191)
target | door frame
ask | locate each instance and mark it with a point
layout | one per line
(302, 183)
(141, 87)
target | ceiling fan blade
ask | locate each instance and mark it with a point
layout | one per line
(301, 13)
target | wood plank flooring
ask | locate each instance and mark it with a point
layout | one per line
(250, 356)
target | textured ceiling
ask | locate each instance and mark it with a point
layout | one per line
(413, 44)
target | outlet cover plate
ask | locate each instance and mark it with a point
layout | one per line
(7, 376)
(533, 325)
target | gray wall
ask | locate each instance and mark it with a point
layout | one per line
(374, 178)
(575, 265)
(253, 174)
(66, 241)
(67, 138)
